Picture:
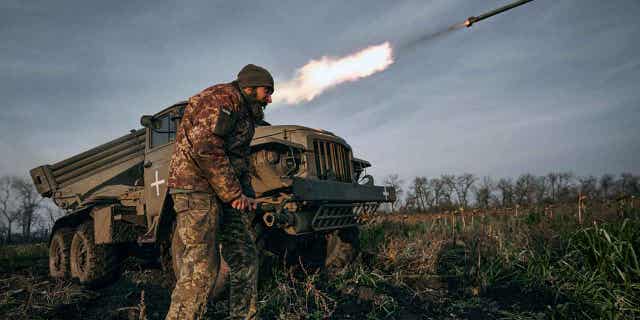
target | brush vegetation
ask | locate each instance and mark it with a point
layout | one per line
(537, 265)
(532, 266)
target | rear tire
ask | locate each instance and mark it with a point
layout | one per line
(59, 253)
(91, 264)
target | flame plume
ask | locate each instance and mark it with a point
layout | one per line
(318, 75)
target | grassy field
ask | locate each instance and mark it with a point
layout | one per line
(537, 265)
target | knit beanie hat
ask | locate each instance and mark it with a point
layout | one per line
(254, 76)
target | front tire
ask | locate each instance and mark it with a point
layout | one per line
(343, 246)
(92, 264)
(59, 253)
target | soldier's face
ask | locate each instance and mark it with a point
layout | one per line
(263, 95)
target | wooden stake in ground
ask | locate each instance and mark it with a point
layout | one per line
(453, 225)
(581, 199)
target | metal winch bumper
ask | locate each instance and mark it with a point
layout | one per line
(325, 205)
(333, 216)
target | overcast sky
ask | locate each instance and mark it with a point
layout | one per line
(551, 85)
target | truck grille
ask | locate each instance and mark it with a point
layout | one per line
(332, 159)
(333, 216)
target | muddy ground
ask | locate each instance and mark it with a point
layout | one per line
(143, 292)
(29, 293)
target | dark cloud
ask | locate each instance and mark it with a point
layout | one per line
(550, 85)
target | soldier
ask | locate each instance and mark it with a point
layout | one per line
(210, 186)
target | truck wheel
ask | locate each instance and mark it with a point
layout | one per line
(343, 246)
(59, 251)
(91, 264)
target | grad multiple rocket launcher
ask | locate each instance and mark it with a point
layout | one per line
(115, 195)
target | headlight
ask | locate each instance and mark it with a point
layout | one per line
(280, 160)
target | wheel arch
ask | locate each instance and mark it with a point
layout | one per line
(72, 220)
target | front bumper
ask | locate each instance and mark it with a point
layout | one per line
(332, 191)
(329, 205)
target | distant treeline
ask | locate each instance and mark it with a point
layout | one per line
(452, 192)
(27, 217)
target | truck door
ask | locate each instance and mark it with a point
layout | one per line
(156, 166)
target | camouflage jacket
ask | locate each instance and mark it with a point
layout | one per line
(211, 152)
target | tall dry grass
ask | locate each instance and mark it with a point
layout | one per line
(530, 266)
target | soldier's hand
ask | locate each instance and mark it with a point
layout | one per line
(244, 203)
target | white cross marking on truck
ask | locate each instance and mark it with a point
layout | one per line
(385, 193)
(157, 184)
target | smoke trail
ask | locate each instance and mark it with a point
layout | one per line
(319, 75)
(411, 44)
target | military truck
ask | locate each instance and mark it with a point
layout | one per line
(311, 189)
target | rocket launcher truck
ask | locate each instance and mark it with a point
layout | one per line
(313, 194)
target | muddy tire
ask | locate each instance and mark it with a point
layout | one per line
(343, 246)
(91, 264)
(59, 253)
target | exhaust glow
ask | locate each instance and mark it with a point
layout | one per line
(318, 75)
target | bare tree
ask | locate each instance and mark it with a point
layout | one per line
(607, 183)
(552, 179)
(422, 193)
(629, 184)
(565, 180)
(484, 192)
(8, 206)
(394, 181)
(438, 187)
(463, 184)
(588, 186)
(525, 189)
(505, 185)
(28, 203)
(540, 189)
(410, 202)
(448, 194)
(40, 227)
(3, 231)
(51, 213)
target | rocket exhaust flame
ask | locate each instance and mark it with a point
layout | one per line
(319, 75)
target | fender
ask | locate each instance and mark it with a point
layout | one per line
(72, 219)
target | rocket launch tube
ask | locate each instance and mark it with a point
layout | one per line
(471, 20)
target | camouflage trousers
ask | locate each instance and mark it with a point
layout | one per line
(199, 217)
